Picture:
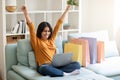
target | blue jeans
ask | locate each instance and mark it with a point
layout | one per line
(57, 71)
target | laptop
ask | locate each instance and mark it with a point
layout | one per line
(62, 59)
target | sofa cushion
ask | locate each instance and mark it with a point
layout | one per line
(59, 46)
(109, 67)
(31, 60)
(12, 75)
(26, 72)
(111, 49)
(30, 74)
(23, 47)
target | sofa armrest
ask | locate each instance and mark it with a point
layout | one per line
(10, 55)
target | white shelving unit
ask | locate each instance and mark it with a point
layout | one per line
(39, 10)
(42, 10)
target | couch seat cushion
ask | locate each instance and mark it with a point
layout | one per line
(109, 67)
(31, 74)
(11, 75)
(25, 72)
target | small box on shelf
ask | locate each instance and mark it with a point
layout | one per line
(66, 26)
(14, 38)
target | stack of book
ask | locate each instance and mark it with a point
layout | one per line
(20, 27)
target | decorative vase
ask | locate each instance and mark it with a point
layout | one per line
(11, 5)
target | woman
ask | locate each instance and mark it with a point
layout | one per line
(44, 47)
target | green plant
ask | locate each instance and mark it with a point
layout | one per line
(72, 2)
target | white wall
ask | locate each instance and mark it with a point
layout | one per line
(97, 15)
(117, 23)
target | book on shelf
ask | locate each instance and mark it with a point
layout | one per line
(20, 27)
(15, 28)
(23, 26)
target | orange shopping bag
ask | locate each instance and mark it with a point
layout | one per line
(85, 50)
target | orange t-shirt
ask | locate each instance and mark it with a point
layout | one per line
(44, 49)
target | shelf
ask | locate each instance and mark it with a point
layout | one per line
(12, 39)
(11, 34)
(32, 12)
(70, 30)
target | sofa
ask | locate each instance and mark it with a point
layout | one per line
(110, 66)
(20, 64)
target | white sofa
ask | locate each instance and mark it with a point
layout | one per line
(19, 68)
(110, 67)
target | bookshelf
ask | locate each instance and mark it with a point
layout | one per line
(42, 10)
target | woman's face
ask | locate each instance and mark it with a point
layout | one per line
(46, 33)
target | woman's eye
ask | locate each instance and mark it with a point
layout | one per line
(45, 31)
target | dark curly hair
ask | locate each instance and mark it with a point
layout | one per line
(41, 27)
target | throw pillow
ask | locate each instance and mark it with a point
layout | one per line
(111, 49)
(32, 60)
(85, 50)
(59, 46)
(23, 47)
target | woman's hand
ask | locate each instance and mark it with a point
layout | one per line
(65, 12)
(24, 9)
(68, 7)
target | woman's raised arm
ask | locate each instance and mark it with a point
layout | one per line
(59, 23)
(24, 9)
(64, 13)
